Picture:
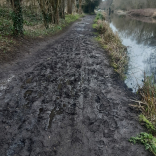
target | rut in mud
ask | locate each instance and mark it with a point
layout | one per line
(67, 102)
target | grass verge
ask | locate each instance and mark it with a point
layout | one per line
(111, 42)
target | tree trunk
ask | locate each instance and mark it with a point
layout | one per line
(80, 6)
(69, 6)
(44, 14)
(55, 6)
(17, 17)
(61, 9)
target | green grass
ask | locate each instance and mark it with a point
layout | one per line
(148, 140)
(99, 16)
(147, 123)
(6, 41)
(94, 25)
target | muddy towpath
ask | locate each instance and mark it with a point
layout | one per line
(66, 100)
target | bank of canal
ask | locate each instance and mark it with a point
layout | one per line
(140, 39)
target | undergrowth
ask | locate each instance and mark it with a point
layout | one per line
(6, 40)
(40, 30)
(148, 98)
(147, 140)
(147, 123)
(33, 26)
(111, 42)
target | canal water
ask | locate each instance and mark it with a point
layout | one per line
(139, 36)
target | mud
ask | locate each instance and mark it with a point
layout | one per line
(66, 100)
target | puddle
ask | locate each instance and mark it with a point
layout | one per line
(81, 35)
(79, 29)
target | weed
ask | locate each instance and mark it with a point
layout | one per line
(94, 25)
(148, 107)
(100, 16)
(147, 140)
(147, 123)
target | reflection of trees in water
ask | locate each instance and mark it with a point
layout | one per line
(140, 31)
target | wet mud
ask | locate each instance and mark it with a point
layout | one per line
(67, 101)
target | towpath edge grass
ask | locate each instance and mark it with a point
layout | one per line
(111, 42)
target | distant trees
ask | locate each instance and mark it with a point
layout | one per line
(51, 10)
(128, 4)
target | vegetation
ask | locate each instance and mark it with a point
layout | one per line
(32, 19)
(148, 117)
(147, 140)
(147, 123)
(111, 42)
(148, 98)
(42, 31)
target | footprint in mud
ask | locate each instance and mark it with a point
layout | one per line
(54, 112)
(108, 133)
(76, 137)
(97, 99)
(100, 143)
(103, 108)
(27, 93)
(71, 110)
(94, 127)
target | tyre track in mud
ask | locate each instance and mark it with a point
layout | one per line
(68, 103)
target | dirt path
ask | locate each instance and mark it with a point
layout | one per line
(65, 100)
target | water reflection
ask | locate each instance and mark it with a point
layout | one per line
(140, 38)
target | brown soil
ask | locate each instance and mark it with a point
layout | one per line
(64, 99)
